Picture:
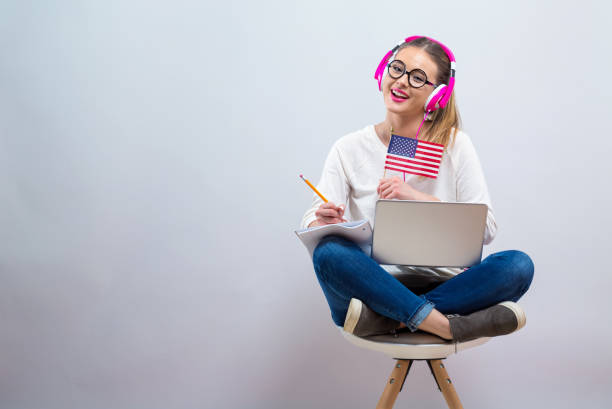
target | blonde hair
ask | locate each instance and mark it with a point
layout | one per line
(444, 123)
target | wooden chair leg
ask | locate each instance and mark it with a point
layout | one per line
(395, 384)
(444, 383)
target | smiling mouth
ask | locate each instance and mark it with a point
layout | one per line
(397, 96)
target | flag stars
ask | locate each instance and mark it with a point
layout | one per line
(403, 146)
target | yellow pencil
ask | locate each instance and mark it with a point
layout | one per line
(313, 188)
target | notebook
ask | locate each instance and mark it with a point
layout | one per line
(359, 232)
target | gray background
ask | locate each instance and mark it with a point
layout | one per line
(149, 161)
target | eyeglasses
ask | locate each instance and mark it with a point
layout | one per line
(416, 78)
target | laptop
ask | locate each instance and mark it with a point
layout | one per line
(433, 234)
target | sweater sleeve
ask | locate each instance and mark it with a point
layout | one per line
(333, 185)
(472, 186)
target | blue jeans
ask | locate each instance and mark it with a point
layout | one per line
(344, 271)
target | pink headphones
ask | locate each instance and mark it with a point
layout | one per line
(439, 97)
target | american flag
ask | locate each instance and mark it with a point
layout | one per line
(409, 155)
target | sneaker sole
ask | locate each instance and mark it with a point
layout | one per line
(521, 318)
(352, 315)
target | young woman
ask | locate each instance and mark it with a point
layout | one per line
(417, 81)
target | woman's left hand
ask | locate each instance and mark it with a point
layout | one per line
(396, 188)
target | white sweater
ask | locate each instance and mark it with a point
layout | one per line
(355, 164)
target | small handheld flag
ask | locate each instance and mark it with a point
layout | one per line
(409, 155)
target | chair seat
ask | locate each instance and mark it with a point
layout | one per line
(412, 345)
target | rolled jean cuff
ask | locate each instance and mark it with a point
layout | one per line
(421, 313)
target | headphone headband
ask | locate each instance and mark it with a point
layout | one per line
(448, 89)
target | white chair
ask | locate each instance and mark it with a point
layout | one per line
(406, 347)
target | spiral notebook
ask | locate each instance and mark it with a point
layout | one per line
(358, 231)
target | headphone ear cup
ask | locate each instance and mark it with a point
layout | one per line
(381, 75)
(434, 98)
(379, 78)
(380, 71)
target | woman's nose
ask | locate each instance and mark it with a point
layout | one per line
(403, 79)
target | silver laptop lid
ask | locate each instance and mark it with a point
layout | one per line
(435, 234)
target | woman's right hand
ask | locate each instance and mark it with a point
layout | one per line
(328, 213)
